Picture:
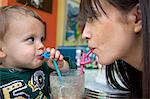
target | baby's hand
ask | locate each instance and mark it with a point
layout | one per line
(55, 54)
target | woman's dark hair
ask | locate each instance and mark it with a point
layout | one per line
(88, 11)
(129, 76)
(145, 9)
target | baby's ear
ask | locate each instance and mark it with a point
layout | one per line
(2, 53)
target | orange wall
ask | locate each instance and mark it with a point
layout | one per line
(3, 2)
(49, 18)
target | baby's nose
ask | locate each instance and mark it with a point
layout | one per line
(41, 47)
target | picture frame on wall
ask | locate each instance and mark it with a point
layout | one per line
(44, 5)
(72, 33)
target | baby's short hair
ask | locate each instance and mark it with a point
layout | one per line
(6, 12)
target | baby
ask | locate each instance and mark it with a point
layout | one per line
(24, 73)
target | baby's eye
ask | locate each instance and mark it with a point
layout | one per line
(42, 39)
(30, 39)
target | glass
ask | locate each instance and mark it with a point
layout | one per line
(71, 86)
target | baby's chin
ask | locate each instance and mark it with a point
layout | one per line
(36, 65)
(28, 66)
(39, 65)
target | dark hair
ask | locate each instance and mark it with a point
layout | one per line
(129, 76)
(145, 8)
(6, 12)
(87, 9)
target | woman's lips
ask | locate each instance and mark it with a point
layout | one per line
(40, 57)
(91, 49)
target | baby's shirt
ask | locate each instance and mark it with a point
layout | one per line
(27, 84)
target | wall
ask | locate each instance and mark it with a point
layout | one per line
(60, 22)
(3, 2)
(50, 19)
(0, 2)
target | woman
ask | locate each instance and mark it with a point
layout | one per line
(118, 32)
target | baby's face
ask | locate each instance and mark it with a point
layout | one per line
(23, 43)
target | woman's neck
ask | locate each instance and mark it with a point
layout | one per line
(135, 55)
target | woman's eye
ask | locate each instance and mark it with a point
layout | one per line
(30, 39)
(91, 19)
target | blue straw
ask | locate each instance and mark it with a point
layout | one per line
(47, 56)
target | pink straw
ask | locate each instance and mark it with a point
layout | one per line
(84, 60)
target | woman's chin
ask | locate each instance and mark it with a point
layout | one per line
(105, 61)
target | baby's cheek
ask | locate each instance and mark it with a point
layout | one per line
(31, 52)
(29, 55)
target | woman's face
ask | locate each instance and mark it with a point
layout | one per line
(112, 37)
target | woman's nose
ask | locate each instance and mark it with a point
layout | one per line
(86, 32)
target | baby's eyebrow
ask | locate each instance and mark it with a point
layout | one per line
(30, 34)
